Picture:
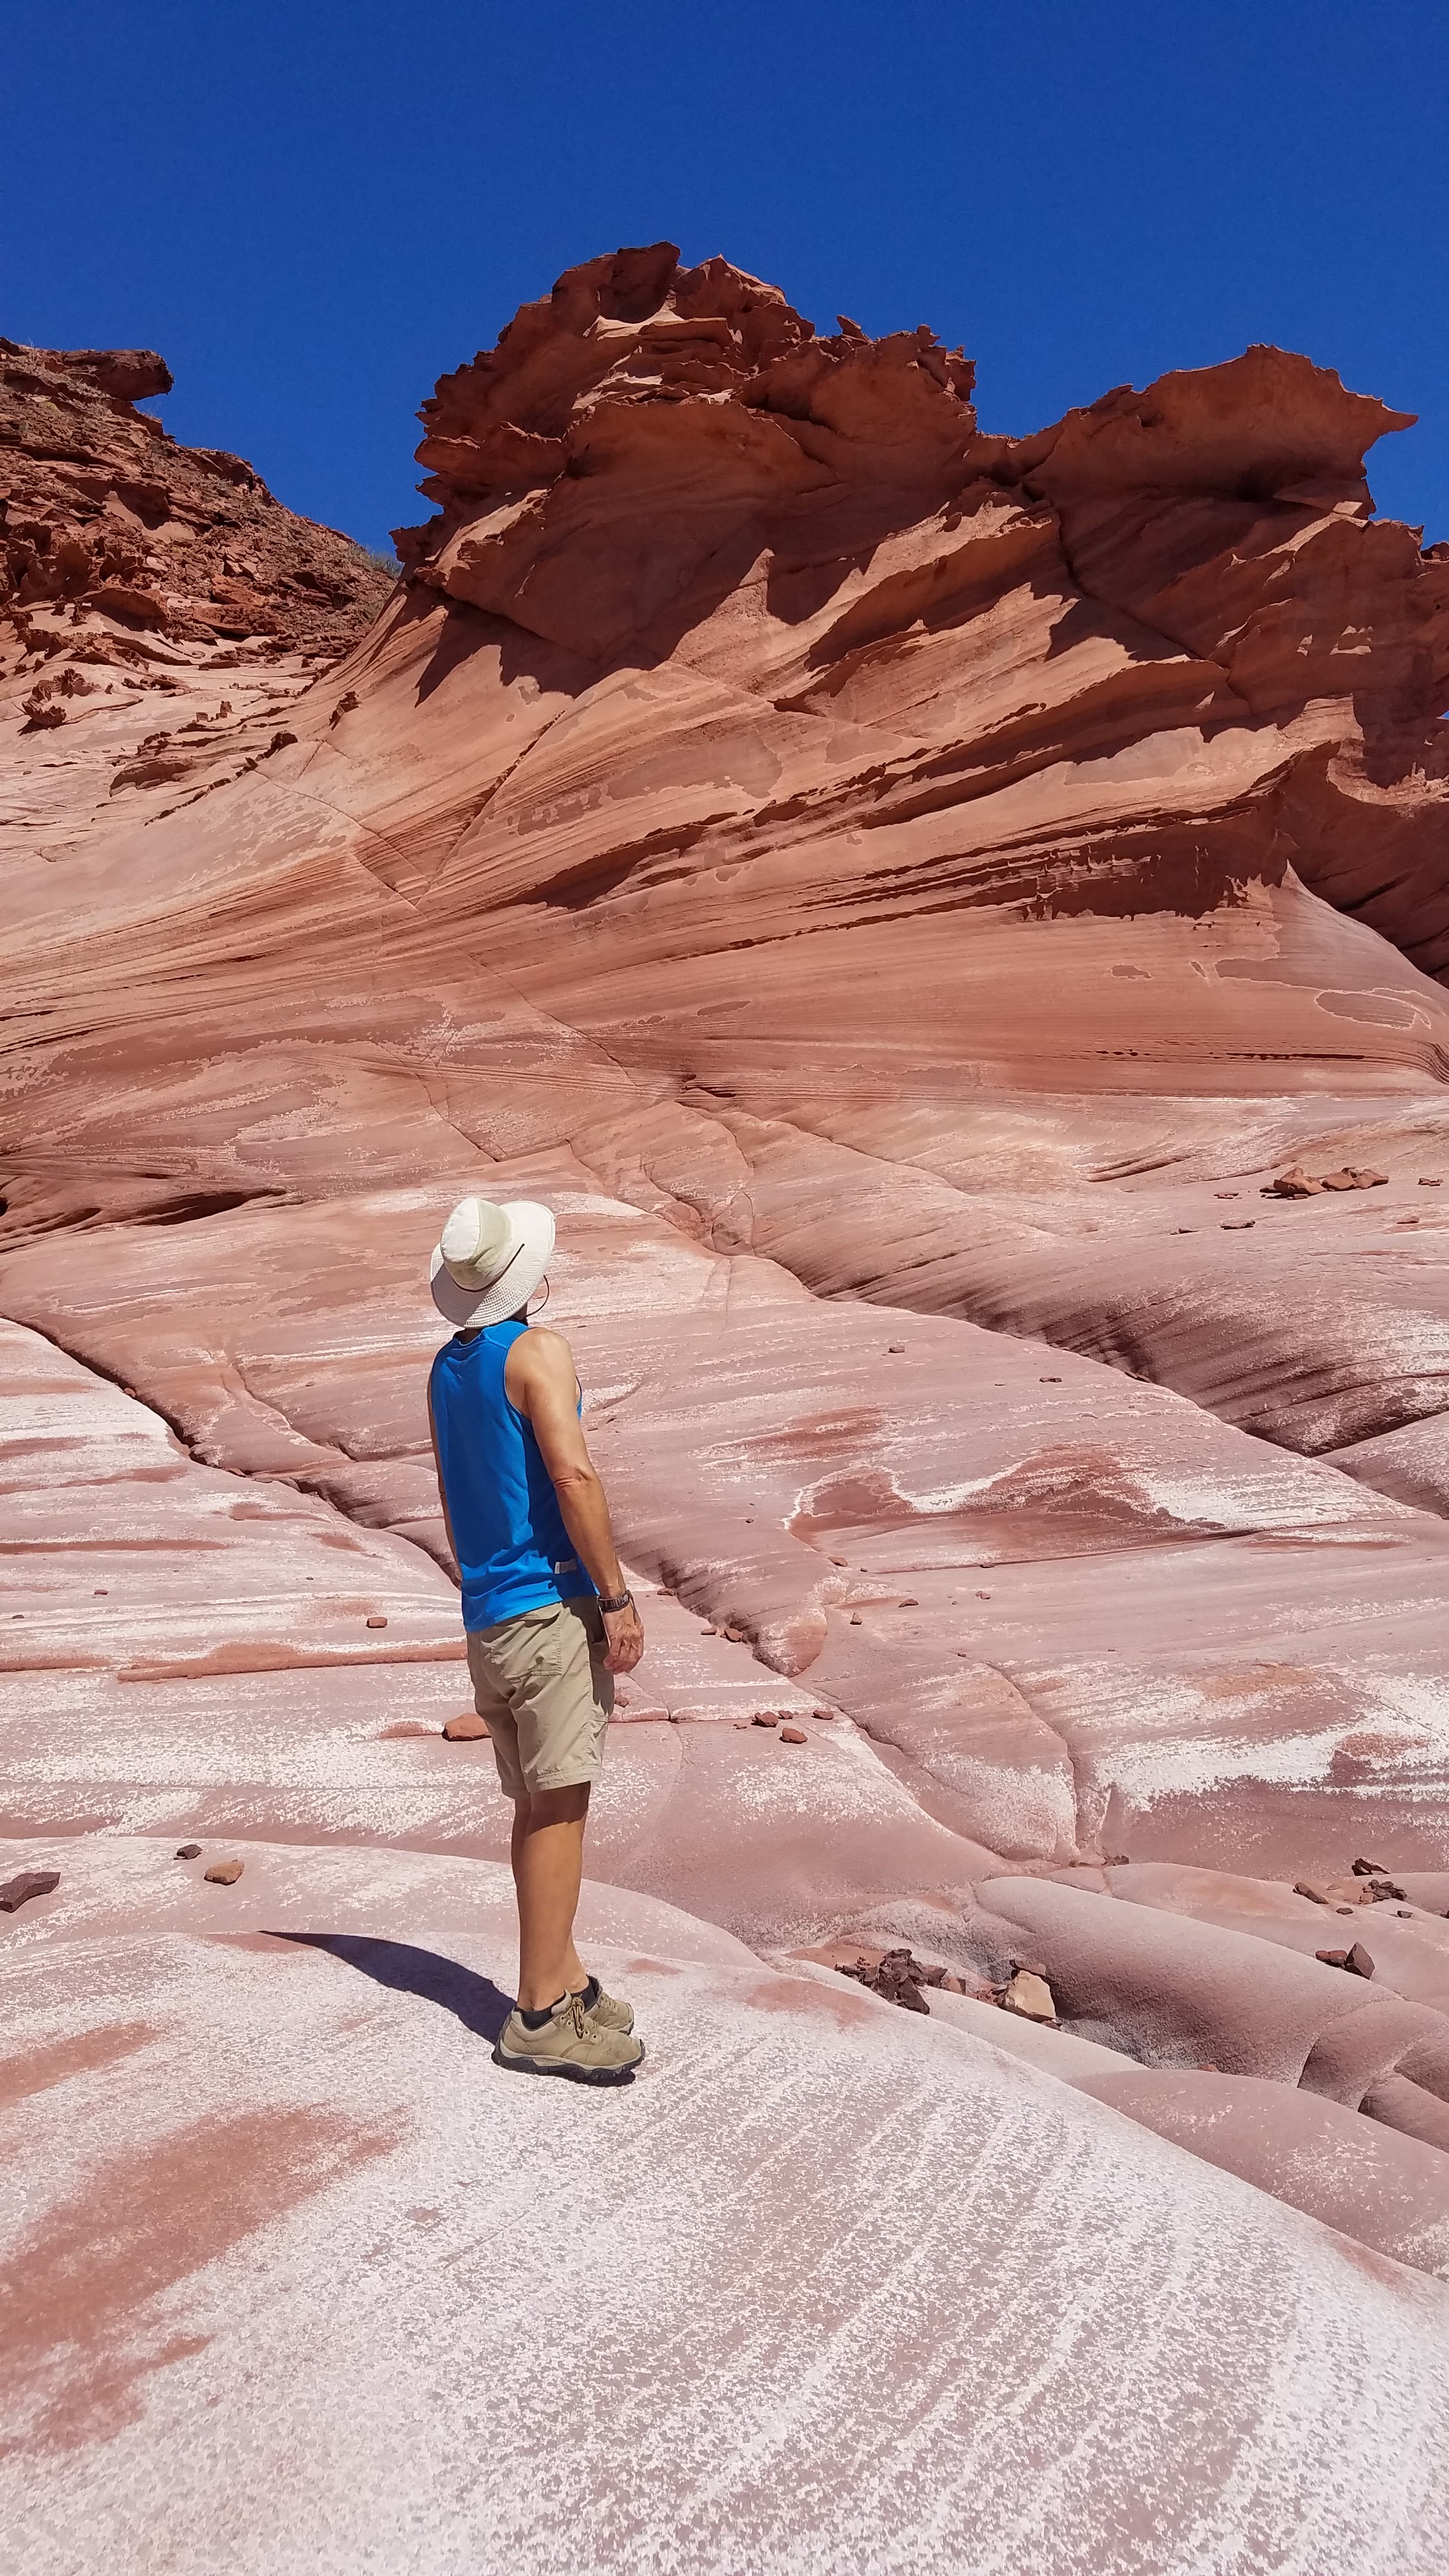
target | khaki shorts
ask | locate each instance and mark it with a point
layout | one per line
(540, 1682)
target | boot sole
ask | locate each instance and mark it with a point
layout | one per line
(575, 2074)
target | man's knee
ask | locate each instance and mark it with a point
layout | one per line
(555, 1806)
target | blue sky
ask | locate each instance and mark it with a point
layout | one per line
(314, 207)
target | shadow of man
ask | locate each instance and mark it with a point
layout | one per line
(476, 2001)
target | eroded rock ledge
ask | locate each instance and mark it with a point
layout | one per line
(652, 439)
(102, 513)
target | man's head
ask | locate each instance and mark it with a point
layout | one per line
(489, 1259)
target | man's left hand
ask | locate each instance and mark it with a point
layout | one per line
(624, 1630)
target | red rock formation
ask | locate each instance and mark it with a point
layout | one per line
(838, 858)
(101, 511)
(667, 461)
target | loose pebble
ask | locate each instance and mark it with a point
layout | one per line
(377, 1623)
(466, 1728)
(224, 1873)
(793, 1735)
(188, 1851)
(1030, 1995)
(31, 1882)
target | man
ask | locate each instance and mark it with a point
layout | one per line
(549, 1617)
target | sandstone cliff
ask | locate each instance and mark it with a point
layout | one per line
(102, 512)
(904, 896)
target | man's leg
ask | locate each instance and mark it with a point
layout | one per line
(578, 1975)
(548, 1864)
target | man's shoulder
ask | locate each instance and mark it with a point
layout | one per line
(540, 1347)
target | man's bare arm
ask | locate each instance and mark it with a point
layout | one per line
(540, 1379)
(442, 1495)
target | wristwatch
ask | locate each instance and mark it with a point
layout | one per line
(616, 1601)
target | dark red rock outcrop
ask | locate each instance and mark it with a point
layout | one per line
(101, 511)
(649, 440)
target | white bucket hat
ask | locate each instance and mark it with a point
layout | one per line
(490, 1259)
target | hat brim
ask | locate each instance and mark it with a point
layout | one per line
(534, 1228)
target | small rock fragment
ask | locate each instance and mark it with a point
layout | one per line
(1306, 1887)
(1295, 1183)
(1429, 1184)
(908, 1601)
(1368, 1869)
(1236, 1224)
(466, 1728)
(188, 1851)
(1356, 1961)
(377, 1622)
(1225, 1194)
(1348, 1179)
(765, 1717)
(1048, 1381)
(793, 1735)
(855, 1619)
(983, 1596)
(824, 1713)
(224, 1873)
(895, 1348)
(31, 1882)
(899, 1978)
(1030, 1995)
(1406, 1912)
(736, 1636)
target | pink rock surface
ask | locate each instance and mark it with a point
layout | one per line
(899, 894)
(339, 2176)
(1368, 2182)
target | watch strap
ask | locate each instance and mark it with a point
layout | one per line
(616, 1601)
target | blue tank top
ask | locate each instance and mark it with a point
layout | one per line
(513, 1550)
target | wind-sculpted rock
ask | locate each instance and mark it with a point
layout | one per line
(102, 513)
(839, 858)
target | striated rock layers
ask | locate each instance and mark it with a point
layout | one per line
(904, 896)
(102, 512)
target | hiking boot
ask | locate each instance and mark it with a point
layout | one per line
(571, 2042)
(608, 2011)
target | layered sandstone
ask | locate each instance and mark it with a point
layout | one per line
(103, 515)
(901, 895)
